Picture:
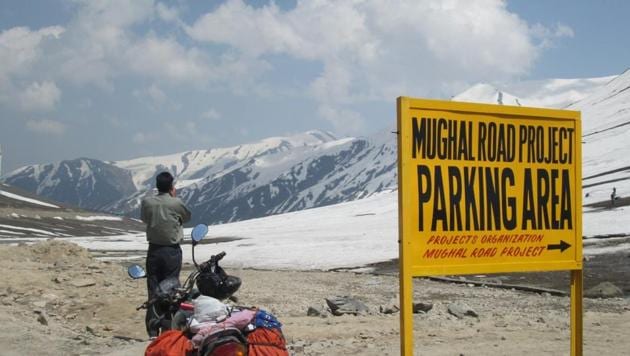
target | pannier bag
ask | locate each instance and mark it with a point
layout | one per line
(266, 342)
(170, 343)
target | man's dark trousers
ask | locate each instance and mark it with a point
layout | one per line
(162, 262)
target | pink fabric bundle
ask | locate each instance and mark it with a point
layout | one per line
(237, 320)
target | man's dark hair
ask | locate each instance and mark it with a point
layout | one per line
(164, 182)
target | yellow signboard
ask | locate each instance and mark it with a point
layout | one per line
(488, 188)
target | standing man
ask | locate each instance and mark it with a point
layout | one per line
(164, 214)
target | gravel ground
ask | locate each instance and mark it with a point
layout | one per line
(55, 298)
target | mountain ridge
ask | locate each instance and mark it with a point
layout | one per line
(271, 176)
(312, 169)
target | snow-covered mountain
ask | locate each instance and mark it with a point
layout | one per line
(271, 176)
(192, 166)
(606, 140)
(83, 182)
(339, 171)
(230, 168)
(486, 93)
(550, 93)
(605, 106)
(315, 169)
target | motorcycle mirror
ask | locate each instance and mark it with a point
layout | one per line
(136, 271)
(199, 232)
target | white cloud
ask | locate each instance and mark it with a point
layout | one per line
(39, 97)
(344, 121)
(186, 131)
(115, 121)
(153, 96)
(211, 114)
(97, 14)
(156, 94)
(20, 47)
(46, 127)
(166, 58)
(564, 31)
(191, 127)
(368, 50)
(548, 36)
(263, 32)
(167, 14)
(96, 37)
(377, 50)
(244, 132)
(103, 43)
(145, 137)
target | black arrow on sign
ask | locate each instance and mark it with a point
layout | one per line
(561, 246)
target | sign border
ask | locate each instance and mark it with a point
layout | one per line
(407, 272)
(405, 106)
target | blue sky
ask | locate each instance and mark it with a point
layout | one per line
(599, 46)
(121, 79)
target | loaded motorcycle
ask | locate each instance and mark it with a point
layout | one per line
(172, 306)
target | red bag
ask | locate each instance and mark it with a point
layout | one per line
(266, 342)
(169, 343)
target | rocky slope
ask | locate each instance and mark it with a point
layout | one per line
(25, 217)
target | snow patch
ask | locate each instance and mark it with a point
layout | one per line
(41, 232)
(11, 232)
(98, 218)
(25, 199)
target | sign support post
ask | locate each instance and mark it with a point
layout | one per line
(405, 276)
(576, 312)
(406, 315)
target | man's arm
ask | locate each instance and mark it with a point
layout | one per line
(144, 216)
(184, 212)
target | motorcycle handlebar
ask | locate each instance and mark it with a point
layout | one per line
(219, 256)
(209, 264)
(179, 292)
(145, 304)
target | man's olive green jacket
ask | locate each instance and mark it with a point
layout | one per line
(164, 216)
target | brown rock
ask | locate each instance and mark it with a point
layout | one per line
(83, 282)
(604, 290)
(42, 319)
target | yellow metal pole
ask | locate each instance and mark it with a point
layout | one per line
(406, 315)
(576, 313)
(404, 274)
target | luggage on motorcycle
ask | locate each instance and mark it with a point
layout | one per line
(209, 309)
(266, 320)
(266, 342)
(266, 339)
(217, 284)
(170, 343)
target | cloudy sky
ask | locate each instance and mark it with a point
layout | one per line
(120, 79)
